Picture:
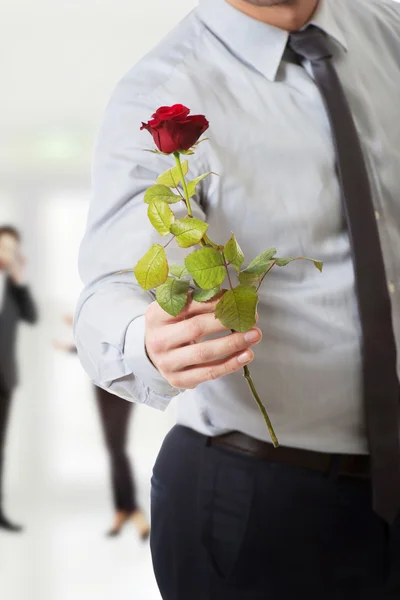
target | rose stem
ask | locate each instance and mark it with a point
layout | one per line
(252, 387)
(227, 271)
(247, 375)
(206, 240)
(265, 274)
(261, 406)
(168, 243)
(185, 188)
(245, 369)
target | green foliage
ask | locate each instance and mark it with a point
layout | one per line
(178, 271)
(206, 266)
(173, 295)
(282, 262)
(172, 178)
(233, 253)
(161, 192)
(192, 185)
(200, 142)
(188, 231)
(157, 152)
(152, 269)
(261, 262)
(160, 216)
(206, 295)
(256, 269)
(237, 308)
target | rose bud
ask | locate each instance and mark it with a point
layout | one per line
(174, 129)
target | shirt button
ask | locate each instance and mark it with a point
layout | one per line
(377, 215)
(392, 288)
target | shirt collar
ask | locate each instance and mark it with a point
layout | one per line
(255, 43)
(324, 18)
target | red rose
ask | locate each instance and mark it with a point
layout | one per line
(173, 129)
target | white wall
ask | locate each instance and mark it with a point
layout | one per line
(60, 58)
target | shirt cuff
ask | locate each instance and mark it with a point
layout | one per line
(135, 356)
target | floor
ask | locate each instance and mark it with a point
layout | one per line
(57, 486)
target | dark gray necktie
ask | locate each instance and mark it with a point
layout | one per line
(380, 381)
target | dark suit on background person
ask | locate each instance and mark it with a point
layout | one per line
(17, 306)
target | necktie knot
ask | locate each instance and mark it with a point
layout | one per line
(311, 44)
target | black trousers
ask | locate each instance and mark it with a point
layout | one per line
(5, 405)
(230, 527)
(115, 416)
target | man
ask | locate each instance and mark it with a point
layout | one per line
(302, 97)
(16, 305)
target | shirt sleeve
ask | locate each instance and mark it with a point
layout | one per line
(109, 320)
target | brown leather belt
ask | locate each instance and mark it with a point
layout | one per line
(350, 465)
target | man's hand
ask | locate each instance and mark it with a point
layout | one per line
(64, 346)
(17, 270)
(68, 319)
(176, 349)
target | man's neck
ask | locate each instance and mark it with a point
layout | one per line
(291, 15)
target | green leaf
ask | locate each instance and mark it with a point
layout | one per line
(186, 152)
(200, 141)
(178, 271)
(206, 266)
(157, 152)
(188, 231)
(262, 261)
(256, 269)
(233, 253)
(152, 269)
(205, 295)
(160, 216)
(282, 262)
(173, 295)
(237, 309)
(172, 178)
(193, 184)
(318, 264)
(249, 279)
(161, 192)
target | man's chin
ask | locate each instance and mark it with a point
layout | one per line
(271, 3)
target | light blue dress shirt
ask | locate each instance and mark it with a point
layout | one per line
(271, 144)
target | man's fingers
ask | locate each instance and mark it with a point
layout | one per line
(155, 314)
(197, 308)
(192, 377)
(211, 350)
(175, 335)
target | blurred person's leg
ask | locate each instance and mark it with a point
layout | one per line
(5, 403)
(115, 416)
(5, 406)
(231, 527)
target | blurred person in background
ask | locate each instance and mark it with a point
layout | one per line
(302, 97)
(115, 416)
(16, 304)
